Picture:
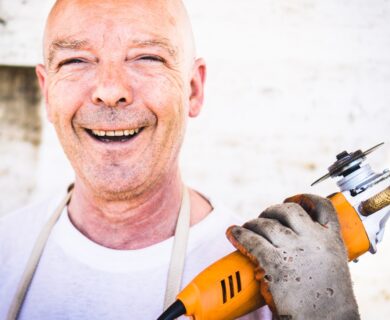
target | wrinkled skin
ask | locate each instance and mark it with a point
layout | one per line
(114, 68)
(301, 259)
(116, 65)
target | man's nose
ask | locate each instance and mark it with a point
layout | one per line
(111, 89)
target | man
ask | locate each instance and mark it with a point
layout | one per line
(120, 80)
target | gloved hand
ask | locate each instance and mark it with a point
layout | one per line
(300, 258)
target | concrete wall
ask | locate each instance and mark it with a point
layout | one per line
(290, 84)
(20, 135)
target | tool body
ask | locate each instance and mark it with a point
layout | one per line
(229, 288)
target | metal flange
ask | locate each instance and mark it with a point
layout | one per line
(346, 163)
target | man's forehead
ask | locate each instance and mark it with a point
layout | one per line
(142, 9)
(161, 23)
(72, 12)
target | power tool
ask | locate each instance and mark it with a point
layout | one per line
(228, 288)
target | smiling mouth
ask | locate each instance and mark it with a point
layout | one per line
(114, 135)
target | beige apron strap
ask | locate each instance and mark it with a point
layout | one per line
(175, 269)
(33, 261)
(179, 249)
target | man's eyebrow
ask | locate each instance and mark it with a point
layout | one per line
(157, 43)
(63, 44)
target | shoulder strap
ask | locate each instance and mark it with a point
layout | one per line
(175, 269)
(34, 258)
(179, 250)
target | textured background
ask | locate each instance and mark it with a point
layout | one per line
(290, 84)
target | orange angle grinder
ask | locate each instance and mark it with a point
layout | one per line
(228, 289)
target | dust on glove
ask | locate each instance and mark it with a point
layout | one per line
(300, 259)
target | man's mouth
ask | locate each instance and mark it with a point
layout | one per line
(114, 135)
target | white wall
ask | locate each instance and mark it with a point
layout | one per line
(290, 84)
(21, 27)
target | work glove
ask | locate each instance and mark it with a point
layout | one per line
(300, 259)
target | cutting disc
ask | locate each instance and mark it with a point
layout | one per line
(346, 162)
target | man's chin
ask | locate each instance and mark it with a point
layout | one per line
(110, 191)
(114, 194)
(110, 182)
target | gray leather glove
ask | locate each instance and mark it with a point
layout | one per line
(301, 258)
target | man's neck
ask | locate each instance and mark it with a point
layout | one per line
(136, 223)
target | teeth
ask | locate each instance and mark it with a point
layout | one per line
(99, 133)
(116, 133)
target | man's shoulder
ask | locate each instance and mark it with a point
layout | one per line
(224, 212)
(21, 226)
(207, 240)
(31, 213)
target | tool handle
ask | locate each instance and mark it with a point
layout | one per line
(230, 288)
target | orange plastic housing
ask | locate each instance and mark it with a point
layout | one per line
(228, 288)
(225, 290)
(352, 229)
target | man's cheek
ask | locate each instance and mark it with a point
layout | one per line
(63, 101)
(165, 100)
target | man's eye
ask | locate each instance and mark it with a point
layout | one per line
(70, 61)
(152, 58)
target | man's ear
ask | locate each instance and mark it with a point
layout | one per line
(197, 87)
(41, 73)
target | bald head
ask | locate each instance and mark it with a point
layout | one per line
(117, 66)
(164, 22)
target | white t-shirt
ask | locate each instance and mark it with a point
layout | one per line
(79, 279)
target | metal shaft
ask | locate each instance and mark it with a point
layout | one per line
(376, 203)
